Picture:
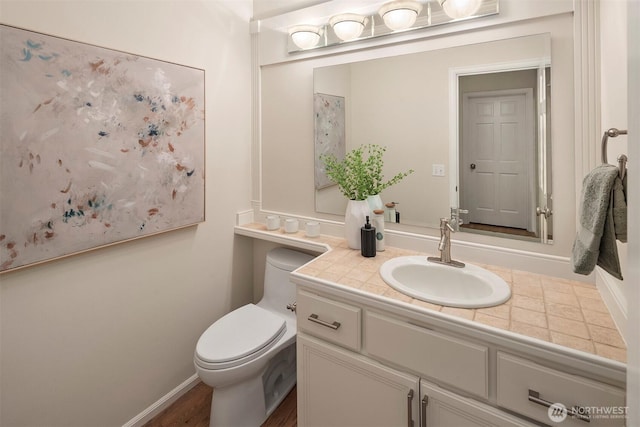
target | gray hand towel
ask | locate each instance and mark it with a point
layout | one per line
(596, 206)
(620, 208)
(608, 250)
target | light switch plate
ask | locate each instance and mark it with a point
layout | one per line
(438, 170)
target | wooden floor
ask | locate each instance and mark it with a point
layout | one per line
(498, 229)
(193, 408)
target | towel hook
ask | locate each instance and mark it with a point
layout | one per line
(622, 159)
(613, 132)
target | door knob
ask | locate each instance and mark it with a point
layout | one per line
(544, 211)
(472, 165)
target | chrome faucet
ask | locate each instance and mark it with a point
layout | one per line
(456, 220)
(444, 246)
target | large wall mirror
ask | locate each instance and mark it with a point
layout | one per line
(473, 123)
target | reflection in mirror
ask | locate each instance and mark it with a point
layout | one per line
(502, 120)
(431, 111)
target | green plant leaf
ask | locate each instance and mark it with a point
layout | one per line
(359, 174)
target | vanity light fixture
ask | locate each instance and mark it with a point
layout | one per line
(383, 18)
(458, 9)
(305, 36)
(400, 14)
(348, 26)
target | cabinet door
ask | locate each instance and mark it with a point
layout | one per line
(442, 408)
(340, 388)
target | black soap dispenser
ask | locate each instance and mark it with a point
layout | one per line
(368, 240)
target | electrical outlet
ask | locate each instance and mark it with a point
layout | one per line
(438, 170)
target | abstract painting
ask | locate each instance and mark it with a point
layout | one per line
(97, 146)
(329, 114)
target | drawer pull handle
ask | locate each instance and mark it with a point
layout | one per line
(409, 407)
(314, 318)
(534, 397)
(423, 405)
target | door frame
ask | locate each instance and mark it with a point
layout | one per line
(530, 157)
(454, 117)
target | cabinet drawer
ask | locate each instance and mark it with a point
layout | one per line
(458, 363)
(331, 320)
(519, 378)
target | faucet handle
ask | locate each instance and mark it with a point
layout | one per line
(444, 224)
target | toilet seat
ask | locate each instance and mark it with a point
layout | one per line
(239, 337)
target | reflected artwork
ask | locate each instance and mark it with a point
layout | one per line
(329, 118)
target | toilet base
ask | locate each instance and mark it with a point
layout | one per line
(238, 405)
(250, 402)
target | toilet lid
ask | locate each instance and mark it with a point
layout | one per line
(244, 331)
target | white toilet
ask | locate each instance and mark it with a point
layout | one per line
(249, 355)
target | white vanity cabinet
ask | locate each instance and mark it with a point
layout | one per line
(361, 363)
(340, 388)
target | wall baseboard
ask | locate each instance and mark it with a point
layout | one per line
(164, 402)
(614, 299)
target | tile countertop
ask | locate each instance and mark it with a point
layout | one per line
(565, 312)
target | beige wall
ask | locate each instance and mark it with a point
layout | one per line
(267, 8)
(613, 47)
(408, 113)
(94, 339)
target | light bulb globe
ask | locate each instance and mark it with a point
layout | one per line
(348, 26)
(400, 15)
(458, 9)
(305, 36)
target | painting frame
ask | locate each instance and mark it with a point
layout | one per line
(329, 133)
(108, 145)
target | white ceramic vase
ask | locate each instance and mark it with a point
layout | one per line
(354, 219)
(375, 202)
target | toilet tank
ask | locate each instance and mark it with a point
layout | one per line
(278, 289)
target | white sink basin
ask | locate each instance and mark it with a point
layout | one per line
(467, 287)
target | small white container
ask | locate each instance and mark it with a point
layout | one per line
(390, 212)
(273, 222)
(378, 223)
(313, 229)
(291, 225)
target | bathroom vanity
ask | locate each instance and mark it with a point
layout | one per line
(366, 362)
(368, 355)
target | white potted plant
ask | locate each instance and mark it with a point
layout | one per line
(359, 177)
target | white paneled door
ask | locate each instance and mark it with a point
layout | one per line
(498, 157)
